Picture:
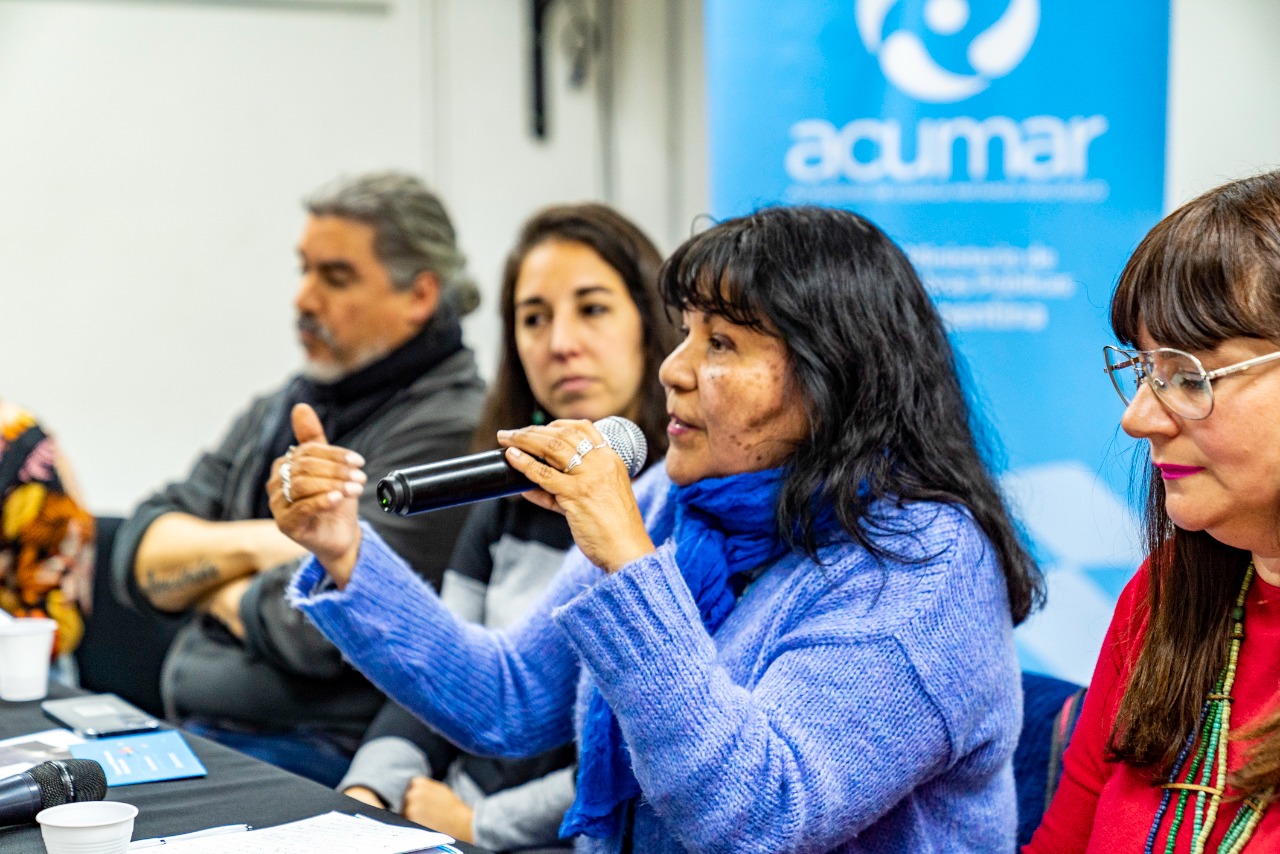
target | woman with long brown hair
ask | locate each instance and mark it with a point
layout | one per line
(1178, 744)
(583, 333)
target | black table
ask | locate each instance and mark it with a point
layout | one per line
(238, 790)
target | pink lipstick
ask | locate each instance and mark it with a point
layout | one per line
(1169, 471)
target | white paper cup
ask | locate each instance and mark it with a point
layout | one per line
(91, 827)
(26, 645)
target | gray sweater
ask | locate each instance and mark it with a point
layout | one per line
(285, 674)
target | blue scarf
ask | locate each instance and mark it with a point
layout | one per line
(722, 527)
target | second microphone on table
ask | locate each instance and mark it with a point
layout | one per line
(479, 477)
(50, 784)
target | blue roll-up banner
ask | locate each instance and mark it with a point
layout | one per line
(1016, 151)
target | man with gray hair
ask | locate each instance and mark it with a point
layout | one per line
(382, 288)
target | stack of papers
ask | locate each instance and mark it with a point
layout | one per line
(331, 833)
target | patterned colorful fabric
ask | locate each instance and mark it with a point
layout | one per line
(46, 537)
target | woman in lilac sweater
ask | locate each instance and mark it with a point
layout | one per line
(796, 637)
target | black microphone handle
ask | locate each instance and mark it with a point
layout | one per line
(449, 483)
(19, 799)
(479, 477)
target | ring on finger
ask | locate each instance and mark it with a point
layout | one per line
(584, 447)
(286, 486)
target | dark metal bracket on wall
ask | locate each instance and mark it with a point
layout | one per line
(581, 40)
(538, 60)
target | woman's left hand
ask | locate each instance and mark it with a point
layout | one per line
(594, 494)
(433, 804)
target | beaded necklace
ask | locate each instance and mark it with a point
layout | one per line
(1209, 738)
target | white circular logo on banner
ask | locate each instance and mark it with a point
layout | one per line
(908, 65)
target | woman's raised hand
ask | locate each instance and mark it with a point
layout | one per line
(585, 481)
(313, 493)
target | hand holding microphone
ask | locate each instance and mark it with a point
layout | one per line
(591, 488)
(489, 474)
(314, 488)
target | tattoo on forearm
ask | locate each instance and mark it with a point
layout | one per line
(199, 575)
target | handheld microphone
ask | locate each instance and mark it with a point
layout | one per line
(478, 477)
(50, 784)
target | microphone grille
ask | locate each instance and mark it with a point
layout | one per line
(627, 441)
(67, 781)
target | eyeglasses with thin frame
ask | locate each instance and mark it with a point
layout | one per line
(1178, 378)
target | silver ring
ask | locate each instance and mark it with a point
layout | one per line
(584, 447)
(286, 490)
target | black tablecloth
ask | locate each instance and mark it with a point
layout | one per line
(238, 790)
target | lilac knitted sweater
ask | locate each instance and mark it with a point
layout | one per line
(859, 706)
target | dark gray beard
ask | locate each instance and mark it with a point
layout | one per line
(323, 372)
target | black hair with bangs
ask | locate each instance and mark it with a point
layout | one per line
(887, 417)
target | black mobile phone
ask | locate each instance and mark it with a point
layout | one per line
(99, 715)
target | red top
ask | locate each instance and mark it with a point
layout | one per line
(1109, 806)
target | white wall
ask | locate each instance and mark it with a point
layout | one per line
(153, 153)
(151, 160)
(1224, 105)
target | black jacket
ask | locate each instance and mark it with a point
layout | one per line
(285, 674)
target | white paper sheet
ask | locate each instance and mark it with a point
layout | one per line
(331, 833)
(22, 752)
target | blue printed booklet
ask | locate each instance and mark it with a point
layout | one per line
(145, 758)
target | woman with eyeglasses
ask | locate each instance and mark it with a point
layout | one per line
(1178, 745)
